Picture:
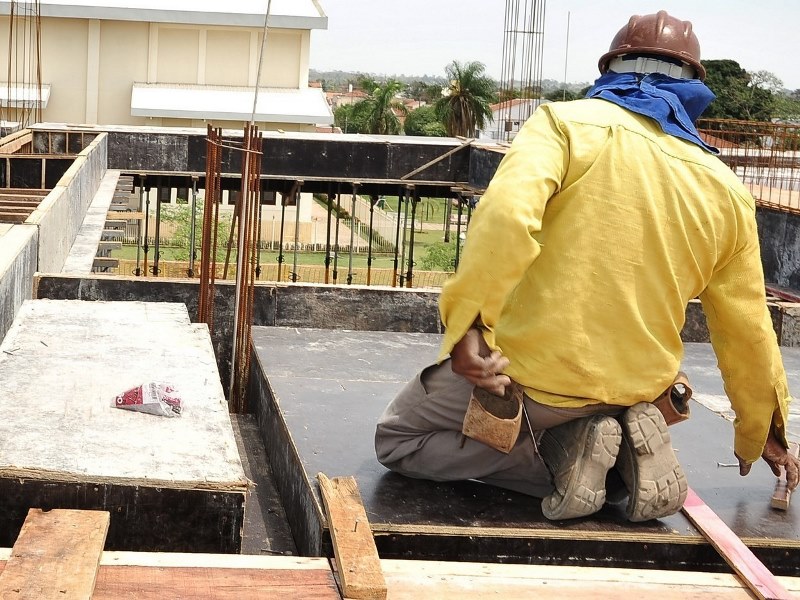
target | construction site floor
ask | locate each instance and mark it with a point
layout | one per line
(319, 394)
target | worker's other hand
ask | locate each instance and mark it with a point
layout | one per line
(472, 358)
(776, 456)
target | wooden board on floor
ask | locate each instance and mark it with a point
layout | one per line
(55, 556)
(409, 580)
(354, 548)
(740, 558)
(151, 576)
(156, 576)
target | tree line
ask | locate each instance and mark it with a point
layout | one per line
(459, 104)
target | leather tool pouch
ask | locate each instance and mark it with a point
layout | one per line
(493, 420)
(674, 402)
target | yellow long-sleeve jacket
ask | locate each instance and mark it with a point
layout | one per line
(593, 235)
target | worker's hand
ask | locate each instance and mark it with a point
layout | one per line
(472, 358)
(776, 457)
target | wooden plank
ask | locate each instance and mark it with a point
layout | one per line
(128, 215)
(459, 580)
(782, 494)
(55, 556)
(155, 576)
(16, 141)
(752, 571)
(6, 217)
(353, 545)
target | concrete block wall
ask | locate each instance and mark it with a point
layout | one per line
(61, 212)
(18, 255)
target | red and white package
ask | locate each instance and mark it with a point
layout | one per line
(153, 398)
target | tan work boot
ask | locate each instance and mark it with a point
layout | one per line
(648, 465)
(579, 454)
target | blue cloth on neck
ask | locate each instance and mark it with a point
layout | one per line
(675, 104)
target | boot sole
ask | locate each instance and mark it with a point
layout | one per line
(585, 492)
(660, 486)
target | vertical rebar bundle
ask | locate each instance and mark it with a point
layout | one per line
(208, 245)
(23, 102)
(246, 264)
(521, 71)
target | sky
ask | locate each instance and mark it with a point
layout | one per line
(421, 37)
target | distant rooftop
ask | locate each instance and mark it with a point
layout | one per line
(287, 14)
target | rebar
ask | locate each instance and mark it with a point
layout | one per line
(522, 61)
(764, 155)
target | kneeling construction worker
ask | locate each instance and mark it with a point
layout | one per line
(604, 219)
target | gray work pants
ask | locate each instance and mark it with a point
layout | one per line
(419, 435)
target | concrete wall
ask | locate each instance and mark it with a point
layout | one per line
(18, 255)
(60, 215)
(779, 233)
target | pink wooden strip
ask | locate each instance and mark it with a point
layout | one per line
(752, 571)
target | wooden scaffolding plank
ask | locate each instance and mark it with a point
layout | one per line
(740, 558)
(353, 545)
(55, 556)
(782, 494)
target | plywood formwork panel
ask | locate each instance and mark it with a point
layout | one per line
(321, 392)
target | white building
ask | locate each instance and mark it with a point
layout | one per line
(508, 117)
(162, 62)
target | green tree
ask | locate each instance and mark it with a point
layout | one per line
(346, 118)
(740, 95)
(465, 105)
(181, 216)
(562, 94)
(425, 92)
(423, 121)
(440, 256)
(787, 107)
(377, 111)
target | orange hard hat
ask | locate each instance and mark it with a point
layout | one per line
(657, 35)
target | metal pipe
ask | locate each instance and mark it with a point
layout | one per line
(352, 233)
(138, 270)
(328, 237)
(372, 200)
(405, 229)
(283, 226)
(410, 273)
(192, 228)
(336, 244)
(296, 228)
(157, 251)
(397, 239)
(146, 248)
(458, 231)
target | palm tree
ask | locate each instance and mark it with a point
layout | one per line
(377, 111)
(465, 104)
